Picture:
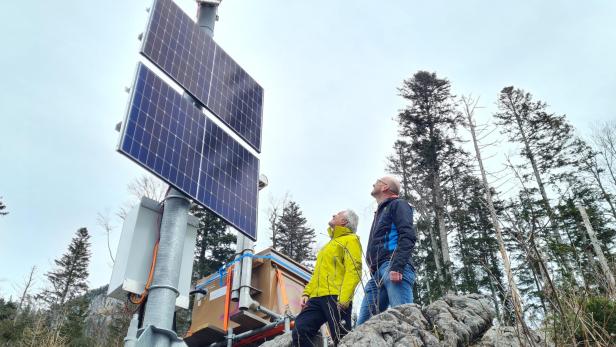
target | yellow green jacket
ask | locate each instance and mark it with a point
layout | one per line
(338, 267)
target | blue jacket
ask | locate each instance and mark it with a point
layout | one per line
(392, 236)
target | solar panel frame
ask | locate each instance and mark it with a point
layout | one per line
(167, 135)
(176, 44)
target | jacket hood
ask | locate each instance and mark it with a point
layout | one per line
(338, 231)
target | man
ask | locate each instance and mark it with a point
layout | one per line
(329, 294)
(388, 255)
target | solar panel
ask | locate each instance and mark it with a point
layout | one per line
(168, 135)
(177, 45)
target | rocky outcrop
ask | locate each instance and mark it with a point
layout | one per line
(451, 321)
(508, 337)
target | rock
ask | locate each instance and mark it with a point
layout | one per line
(283, 340)
(507, 337)
(459, 320)
(451, 321)
(401, 326)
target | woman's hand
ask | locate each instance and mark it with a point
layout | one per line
(305, 299)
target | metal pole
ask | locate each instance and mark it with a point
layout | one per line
(207, 15)
(230, 337)
(160, 307)
(131, 336)
(287, 324)
(245, 300)
(269, 312)
(163, 291)
(237, 269)
(246, 334)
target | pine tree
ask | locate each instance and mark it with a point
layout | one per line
(293, 237)
(8, 312)
(546, 141)
(427, 258)
(520, 236)
(604, 139)
(526, 217)
(73, 326)
(215, 243)
(69, 279)
(3, 208)
(591, 164)
(427, 126)
(512, 301)
(572, 222)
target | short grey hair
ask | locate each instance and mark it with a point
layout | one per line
(352, 220)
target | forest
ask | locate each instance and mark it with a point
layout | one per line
(532, 224)
(520, 208)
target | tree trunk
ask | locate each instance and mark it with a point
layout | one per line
(437, 256)
(592, 167)
(495, 300)
(423, 210)
(544, 196)
(588, 254)
(599, 252)
(515, 295)
(538, 286)
(531, 157)
(24, 294)
(533, 250)
(437, 199)
(438, 207)
(467, 266)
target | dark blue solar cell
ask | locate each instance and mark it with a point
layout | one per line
(173, 139)
(175, 43)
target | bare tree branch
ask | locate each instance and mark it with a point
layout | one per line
(104, 222)
(27, 286)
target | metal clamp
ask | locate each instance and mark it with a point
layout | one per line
(147, 337)
(174, 194)
(164, 286)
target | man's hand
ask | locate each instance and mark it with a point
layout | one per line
(395, 276)
(343, 305)
(305, 299)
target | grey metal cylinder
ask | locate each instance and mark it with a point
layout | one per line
(206, 17)
(237, 269)
(131, 336)
(245, 300)
(163, 291)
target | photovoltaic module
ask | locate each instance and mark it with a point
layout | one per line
(176, 44)
(165, 133)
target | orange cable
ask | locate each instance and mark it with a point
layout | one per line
(227, 298)
(143, 295)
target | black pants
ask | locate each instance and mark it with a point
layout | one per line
(318, 311)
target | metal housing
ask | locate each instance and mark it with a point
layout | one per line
(134, 254)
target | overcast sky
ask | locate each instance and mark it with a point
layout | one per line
(330, 70)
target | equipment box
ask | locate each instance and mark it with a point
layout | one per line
(209, 310)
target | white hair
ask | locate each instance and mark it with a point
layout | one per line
(352, 220)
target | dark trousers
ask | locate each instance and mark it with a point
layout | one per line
(316, 312)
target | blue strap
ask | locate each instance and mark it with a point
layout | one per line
(222, 272)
